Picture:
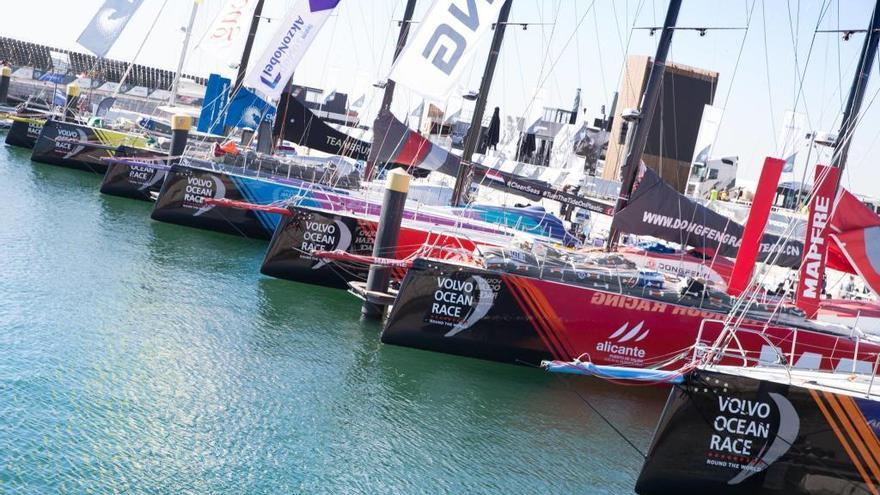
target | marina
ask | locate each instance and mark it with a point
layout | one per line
(297, 246)
(182, 369)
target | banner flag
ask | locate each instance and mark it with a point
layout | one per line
(230, 28)
(709, 124)
(213, 115)
(755, 225)
(434, 59)
(287, 47)
(107, 24)
(811, 281)
(247, 110)
(791, 138)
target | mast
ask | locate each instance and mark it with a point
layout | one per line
(248, 45)
(183, 50)
(856, 93)
(638, 133)
(388, 95)
(462, 180)
(401, 41)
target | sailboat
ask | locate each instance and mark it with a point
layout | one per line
(254, 206)
(512, 306)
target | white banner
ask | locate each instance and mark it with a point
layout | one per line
(709, 124)
(433, 60)
(791, 139)
(295, 33)
(228, 32)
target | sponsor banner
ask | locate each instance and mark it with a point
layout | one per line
(296, 31)
(213, 116)
(811, 281)
(107, 24)
(709, 125)
(301, 126)
(658, 210)
(228, 32)
(433, 60)
(247, 110)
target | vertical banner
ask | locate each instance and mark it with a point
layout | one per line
(288, 45)
(433, 61)
(812, 274)
(753, 232)
(709, 124)
(107, 24)
(213, 115)
(230, 27)
(791, 138)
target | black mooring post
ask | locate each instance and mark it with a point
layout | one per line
(180, 126)
(5, 75)
(390, 218)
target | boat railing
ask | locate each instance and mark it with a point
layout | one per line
(789, 350)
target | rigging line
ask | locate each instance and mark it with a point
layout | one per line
(623, 72)
(138, 52)
(605, 93)
(749, 16)
(562, 51)
(602, 416)
(803, 76)
(767, 74)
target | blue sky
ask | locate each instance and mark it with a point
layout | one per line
(573, 44)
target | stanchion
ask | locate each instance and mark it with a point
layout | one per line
(390, 218)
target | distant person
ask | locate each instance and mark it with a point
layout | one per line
(713, 194)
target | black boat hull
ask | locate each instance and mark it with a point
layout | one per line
(289, 254)
(67, 144)
(726, 434)
(24, 132)
(182, 197)
(133, 181)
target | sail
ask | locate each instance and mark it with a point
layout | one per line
(301, 126)
(447, 39)
(295, 33)
(658, 210)
(395, 143)
(107, 24)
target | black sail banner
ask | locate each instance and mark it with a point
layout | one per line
(658, 210)
(394, 142)
(301, 126)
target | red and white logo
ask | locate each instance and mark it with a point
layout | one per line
(622, 344)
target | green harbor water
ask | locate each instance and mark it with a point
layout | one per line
(140, 357)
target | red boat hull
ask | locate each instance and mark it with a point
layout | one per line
(521, 319)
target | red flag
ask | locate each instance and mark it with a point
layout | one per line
(861, 247)
(754, 229)
(812, 273)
